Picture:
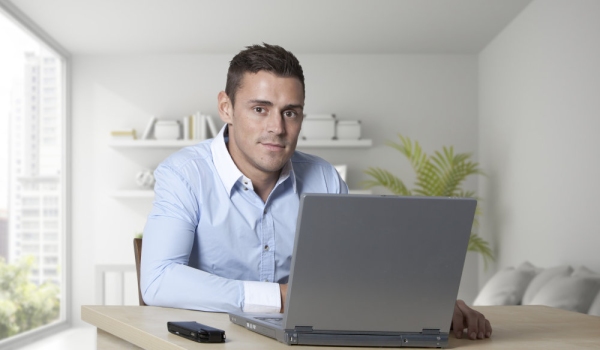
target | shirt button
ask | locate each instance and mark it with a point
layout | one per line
(266, 247)
(245, 188)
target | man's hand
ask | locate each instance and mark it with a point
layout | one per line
(475, 323)
(283, 291)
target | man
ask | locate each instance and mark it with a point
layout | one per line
(220, 235)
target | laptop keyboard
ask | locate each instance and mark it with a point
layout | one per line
(278, 321)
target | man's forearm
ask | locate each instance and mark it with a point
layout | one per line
(166, 278)
(185, 287)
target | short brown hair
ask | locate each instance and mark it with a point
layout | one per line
(255, 58)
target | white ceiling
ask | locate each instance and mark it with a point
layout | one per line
(302, 26)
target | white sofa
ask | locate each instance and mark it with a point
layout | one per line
(561, 286)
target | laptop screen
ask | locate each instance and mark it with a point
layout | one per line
(377, 263)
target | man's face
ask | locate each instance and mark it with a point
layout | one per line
(264, 124)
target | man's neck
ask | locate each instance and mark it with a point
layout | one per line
(263, 185)
(263, 182)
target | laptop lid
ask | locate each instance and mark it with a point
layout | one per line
(377, 263)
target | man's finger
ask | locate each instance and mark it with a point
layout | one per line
(471, 318)
(457, 322)
(480, 325)
(488, 329)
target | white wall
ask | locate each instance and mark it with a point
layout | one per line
(539, 122)
(432, 98)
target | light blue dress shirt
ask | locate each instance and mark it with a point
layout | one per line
(208, 230)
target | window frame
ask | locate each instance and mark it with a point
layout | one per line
(25, 23)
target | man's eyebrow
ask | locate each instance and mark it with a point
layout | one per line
(292, 106)
(260, 102)
(269, 103)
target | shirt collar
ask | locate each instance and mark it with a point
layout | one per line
(229, 172)
(226, 168)
(287, 171)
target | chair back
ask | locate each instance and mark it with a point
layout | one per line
(137, 250)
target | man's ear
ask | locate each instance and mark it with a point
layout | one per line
(225, 108)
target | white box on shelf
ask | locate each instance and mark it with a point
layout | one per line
(167, 130)
(318, 127)
(348, 129)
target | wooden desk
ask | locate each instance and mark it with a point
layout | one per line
(515, 327)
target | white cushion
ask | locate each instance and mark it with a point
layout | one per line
(574, 293)
(506, 287)
(583, 271)
(595, 308)
(542, 278)
(528, 266)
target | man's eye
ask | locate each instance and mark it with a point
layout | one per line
(289, 114)
(259, 109)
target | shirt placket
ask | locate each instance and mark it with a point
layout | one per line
(265, 232)
(267, 266)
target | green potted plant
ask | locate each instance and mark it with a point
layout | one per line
(439, 175)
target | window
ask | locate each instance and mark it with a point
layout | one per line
(49, 186)
(32, 225)
(30, 248)
(50, 248)
(50, 236)
(50, 213)
(30, 201)
(50, 224)
(50, 260)
(33, 201)
(31, 236)
(50, 200)
(30, 213)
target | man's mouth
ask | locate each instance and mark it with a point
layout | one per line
(273, 146)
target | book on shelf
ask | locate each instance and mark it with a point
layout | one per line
(191, 124)
(186, 128)
(149, 127)
(128, 134)
(212, 127)
(200, 125)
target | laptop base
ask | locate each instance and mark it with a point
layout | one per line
(333, 338)
(308, 336)
(378, 271)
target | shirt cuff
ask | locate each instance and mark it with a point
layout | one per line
(261, 297)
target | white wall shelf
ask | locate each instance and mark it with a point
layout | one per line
(166, 144)
(183, 143)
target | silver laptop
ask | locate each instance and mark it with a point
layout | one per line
(371, 271)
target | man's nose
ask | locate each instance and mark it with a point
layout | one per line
(275, 123)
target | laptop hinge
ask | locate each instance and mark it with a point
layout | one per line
(431, 331)
(303, 328)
